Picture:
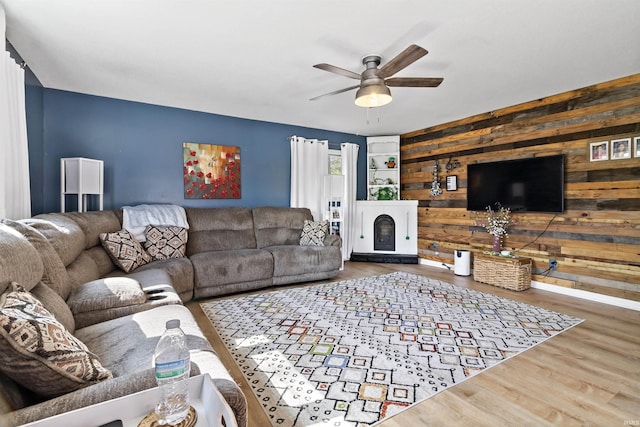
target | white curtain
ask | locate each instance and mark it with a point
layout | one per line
(15, 196)
(349, 154)
(309, 164)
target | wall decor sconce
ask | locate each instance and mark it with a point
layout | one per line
(435, 185)
(451, 165)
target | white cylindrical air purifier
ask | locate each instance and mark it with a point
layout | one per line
(462, 263)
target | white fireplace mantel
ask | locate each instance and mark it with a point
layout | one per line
(405, 216)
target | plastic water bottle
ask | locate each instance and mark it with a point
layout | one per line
(172, 364)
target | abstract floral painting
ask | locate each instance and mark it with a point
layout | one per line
(211, 171)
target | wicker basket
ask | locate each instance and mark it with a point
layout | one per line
(508, 273)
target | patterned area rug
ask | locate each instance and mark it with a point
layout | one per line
(351, 353)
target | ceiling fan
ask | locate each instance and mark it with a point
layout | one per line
(373, 90)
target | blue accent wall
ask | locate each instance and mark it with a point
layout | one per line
(35, 136)
(141, 145)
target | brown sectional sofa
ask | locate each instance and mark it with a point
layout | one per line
(59, 259)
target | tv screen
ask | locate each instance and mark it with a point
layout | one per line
(524, 185)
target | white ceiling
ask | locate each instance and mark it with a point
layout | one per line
(254, 58)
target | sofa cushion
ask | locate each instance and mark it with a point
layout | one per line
(93, 223)
(155, 283)
(38, 352)
(19, 260)
(106, 293)
(13, 396)
(164, 242)
(126, 252)
(64, 234)
(314, 232)
(126, 344)
(219, 229)
(213, 270)
(101, 258)
(292, 260)
(55, 274)
(83, 270)
(180, 271)
(55, 305)
(279, 225)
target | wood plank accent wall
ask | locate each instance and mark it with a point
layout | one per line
(596, 241)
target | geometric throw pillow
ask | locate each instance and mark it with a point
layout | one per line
(125, 251)
(314, 232)
(165, 241)
(38, 352)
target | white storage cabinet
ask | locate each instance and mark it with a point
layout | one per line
(81, 177)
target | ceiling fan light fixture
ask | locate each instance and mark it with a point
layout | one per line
(373, 96)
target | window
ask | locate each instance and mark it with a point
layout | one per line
(333, 188)
(335, 162)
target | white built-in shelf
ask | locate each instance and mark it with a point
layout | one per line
(380, 150)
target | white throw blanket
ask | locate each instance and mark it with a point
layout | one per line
(136, 218)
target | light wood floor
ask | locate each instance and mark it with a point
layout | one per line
(586, 376)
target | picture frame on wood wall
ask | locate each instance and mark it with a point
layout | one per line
(636, 146)
(452, 183)
(621, 148)
(599, 151)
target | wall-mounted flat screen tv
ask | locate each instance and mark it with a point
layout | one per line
(525, 185)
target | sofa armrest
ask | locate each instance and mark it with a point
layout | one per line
(100, 392)
(122, 386)
(333, 240)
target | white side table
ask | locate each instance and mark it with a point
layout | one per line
(205, 398)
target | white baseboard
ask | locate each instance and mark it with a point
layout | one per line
(435, 264)
(577, 293)
(591, 296)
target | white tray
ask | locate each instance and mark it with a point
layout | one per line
(133, 408)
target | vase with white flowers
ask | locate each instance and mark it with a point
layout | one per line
(497, 222)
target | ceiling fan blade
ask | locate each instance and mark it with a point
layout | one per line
(335, 92)
(338, 70)
(414, 81)
(402, 60)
